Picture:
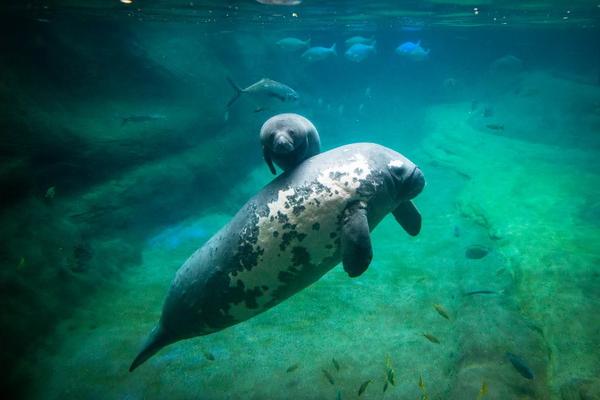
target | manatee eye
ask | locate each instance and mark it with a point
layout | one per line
(398, 168)
(292, 132)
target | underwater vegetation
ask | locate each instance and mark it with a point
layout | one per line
(120, 157)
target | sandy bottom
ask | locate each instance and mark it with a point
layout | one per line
(534, 206)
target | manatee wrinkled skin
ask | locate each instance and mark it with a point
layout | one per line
(286, 237)
(287, 140)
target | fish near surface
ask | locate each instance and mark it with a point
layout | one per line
(264, 93)
(292, 44)
(286, 237)
(412, 51)
(359, 52)
(319, 53)
(359, 40)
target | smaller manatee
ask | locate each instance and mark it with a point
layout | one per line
(287, 140)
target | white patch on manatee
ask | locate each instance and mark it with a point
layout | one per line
(320, 206)
(395, 164)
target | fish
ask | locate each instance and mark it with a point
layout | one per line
(142, 118)
(431, 338)
(520, 365)
(359, 40)
(441, 310)
(423, 388)
(495, 127)
(363, 387)
(280, 2)
(22, 264)
(335, 364)
(483, 391)
(328, 376)
(456, 231)
(412, 51)
(292, 44)
(319, 53)
(385, 386)
(263, 92)
(292, 368)
(208, 355)
(476, 252)
(474, 292)
(390, 377)
(359, 52)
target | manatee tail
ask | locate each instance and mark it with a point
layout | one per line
(238, 92)
(332, 48)
(157, 340)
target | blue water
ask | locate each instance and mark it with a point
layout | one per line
(120, 158)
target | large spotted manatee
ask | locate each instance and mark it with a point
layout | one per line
(286, 237)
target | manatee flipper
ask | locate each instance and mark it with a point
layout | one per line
(408, 217)
(269, 159)
(356, 240)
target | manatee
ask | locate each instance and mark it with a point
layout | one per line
(286, 237)
(287, 140)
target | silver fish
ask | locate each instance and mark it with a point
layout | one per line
(263, 93)
(319, 53)
(359, 40)
(358, 52)
(292, 44)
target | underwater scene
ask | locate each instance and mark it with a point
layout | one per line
(300, 199)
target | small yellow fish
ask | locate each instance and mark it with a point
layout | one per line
(441, 310)
(22, 263)
(335, 364)
(363, 387)
(292, 368)
(328, 376)
(389, 374)
(208, 355)
(483, 391)
(431, 338)
(423, 389)
(391, 377)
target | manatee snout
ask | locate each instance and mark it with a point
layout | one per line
(409, 179)
(415, 183)
(282, 143)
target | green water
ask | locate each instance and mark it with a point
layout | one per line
(119, 158)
